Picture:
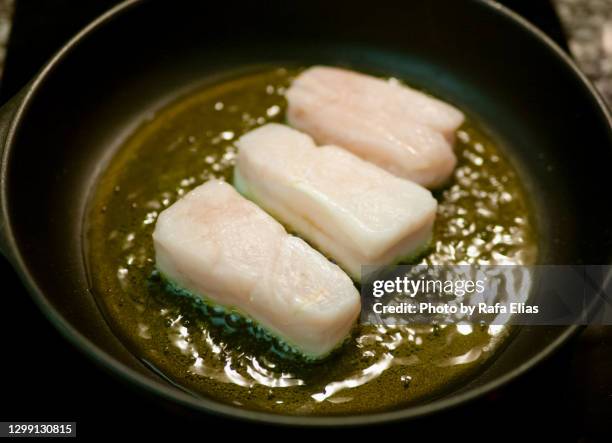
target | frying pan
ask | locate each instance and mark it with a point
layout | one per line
(58, 133)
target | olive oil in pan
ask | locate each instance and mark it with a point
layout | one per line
(483, 217)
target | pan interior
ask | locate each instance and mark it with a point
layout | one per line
(484, 217)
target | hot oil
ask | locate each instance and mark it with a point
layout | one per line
(483, 217)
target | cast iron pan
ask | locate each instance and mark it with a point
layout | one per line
(60, 130)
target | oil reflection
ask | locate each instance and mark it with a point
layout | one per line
(242, 369)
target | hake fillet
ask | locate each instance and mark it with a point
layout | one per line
(402, 130)
(353, 211)
(217, 245)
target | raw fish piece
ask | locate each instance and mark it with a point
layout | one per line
(398, 128)
(353, 211)
(221, 247)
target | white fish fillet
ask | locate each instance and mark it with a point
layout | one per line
(398, 128)
(353, 211)
(218, 245)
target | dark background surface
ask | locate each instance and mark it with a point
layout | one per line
(44, 378)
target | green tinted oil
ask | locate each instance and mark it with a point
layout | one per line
(483, 217)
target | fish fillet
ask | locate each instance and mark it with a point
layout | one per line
(221, 247)
(355, 212)
(402, 130)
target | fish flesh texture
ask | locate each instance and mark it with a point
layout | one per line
(402, 130)
(221, 247)
(351, 210)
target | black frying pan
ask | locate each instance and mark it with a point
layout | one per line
(60, 130)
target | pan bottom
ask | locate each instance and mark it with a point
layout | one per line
(484, 216)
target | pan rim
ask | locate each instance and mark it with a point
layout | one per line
(111, 364)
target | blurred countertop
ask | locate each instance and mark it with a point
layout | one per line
(588, 25)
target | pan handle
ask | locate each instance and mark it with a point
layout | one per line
(7, 115)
